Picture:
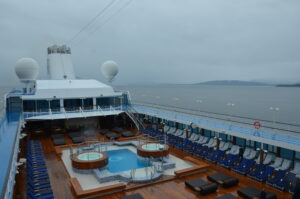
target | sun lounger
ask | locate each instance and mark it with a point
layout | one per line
(59, 141)
(57, 136)
(133, 196)
(112, 136)
(77, 140)
(223, 180)
(251, 193)
(127, 134)
(227, 196)
(201, 186)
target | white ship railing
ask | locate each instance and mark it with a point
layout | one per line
(245, 131)
(68, 111)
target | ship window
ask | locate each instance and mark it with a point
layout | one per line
(55, 105)
(229, 138)
(103, 101)
(72, 104)
(297, 155)
(240, 141)
(222, 136)
(88, 103)
(29, 105)
(207, 133)
(42, 105)
(286, 153)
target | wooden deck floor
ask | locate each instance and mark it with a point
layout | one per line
(174, 189)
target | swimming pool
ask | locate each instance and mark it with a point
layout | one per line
(124, 160)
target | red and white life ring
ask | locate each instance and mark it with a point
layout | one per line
(257, 124)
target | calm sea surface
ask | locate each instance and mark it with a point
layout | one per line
(254, 102)
(249, 101)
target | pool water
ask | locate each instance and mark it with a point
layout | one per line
(124, 160)
(153, 146)
(89, 156)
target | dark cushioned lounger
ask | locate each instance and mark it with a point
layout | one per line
(118, 130)
(112, 136)
(223, 180)
(59, 141)
(56, 136)
(104, 131)
(251, 192)
(201, 186)
(74, 134)
(77, 140)
(227, 196)
(127, 134)
(133, 196)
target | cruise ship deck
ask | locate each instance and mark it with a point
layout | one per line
(167, 186)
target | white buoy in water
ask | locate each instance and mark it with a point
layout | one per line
(109, 70)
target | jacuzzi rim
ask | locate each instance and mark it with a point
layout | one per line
(89, 152)
(153, 143)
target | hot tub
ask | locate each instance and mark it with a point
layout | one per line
(89, 160)
(154, 150)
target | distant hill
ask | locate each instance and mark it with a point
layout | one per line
(232, 83)
(288, 85)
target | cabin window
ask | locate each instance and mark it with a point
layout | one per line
(88, 103)
(117, 101)
(229, 138)
(55, 105)
(207, 133)
(72, 104)
(29, 106)
(42, 105)
(223, 136)
(250, 143)
(286, 153)
(240, 141)
(103, 102)
(297, 155)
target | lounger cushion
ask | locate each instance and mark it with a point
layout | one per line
(104, 131)
(59, 141)
(57, 136)
(79, 139)
(127, 134)
(133, 196)
(112, 136)
(223, 180)
(251, 192)
(201, 186)
(227, 196)
(74, 134)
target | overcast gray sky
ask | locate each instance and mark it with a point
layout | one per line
(158, 41)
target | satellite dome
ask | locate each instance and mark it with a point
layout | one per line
(27, 69)
(109, 70)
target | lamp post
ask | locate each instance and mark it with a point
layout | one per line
(274, 110)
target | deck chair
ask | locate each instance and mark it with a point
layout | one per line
(201, 186)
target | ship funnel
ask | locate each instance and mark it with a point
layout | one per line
(59, 62)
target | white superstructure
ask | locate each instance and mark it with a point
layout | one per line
(63, 96)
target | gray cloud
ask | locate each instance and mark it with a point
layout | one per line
(157, 41)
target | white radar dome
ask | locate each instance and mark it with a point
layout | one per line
(109, 70)
(27, 69)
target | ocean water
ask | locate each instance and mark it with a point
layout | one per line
(249, 101)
